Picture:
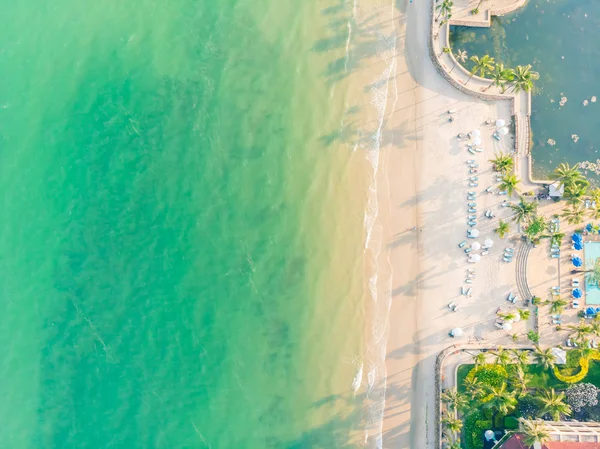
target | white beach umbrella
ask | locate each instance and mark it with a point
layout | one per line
(474, 233)
(488, 243)
(489, 435)
(477, 141)
(500, 123)
(474, 258)
(475, 246)
(476, 133)
(503, 131)
(507, 326)
(516, 318)
(457, 332)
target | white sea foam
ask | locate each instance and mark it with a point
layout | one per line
(357, 379)
(381, 88)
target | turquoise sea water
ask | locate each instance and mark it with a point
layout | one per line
(559, 38)
(176, 271)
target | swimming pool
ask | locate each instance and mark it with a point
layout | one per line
(592, 253)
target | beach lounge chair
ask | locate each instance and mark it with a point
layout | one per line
(556, 321)
(568, 343)
(469, 291)
(555, 256)
(473, 184)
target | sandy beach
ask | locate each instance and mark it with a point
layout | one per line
(423, 183)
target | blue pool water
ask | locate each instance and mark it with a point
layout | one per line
(592, 253)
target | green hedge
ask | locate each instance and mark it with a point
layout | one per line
(511, 422)
(490, 375)
(577, 366)
(475, 425)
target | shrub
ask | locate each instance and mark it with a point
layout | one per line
(582, 395)
(571, 375)
(475, 425)
(533, 336)
(489, 375)
(528, 408)
(511, 422)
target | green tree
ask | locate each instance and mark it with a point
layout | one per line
(576, 192)
(535, 229)
(520, 381)
(502, 356)
(567, 175)
(455, 400)
(524, 313)
(524, 210)
(446, 50)
(510, 184)
(500, 76)
(581, 330)
(554, 404)
(500, 400)
(533, 432)
(479, 359)
(483, 65)
(452, 425)
(520, 357)
(545, 357)
(502, 229)
(474, 387)
(557, 306)
(524, 78)
(557, 238)
(503, 162)
(574, 215)
(444, 9)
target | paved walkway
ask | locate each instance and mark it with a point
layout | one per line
(481, 87)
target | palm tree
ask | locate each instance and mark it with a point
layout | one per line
(574, 215)
(556, 238)
(554, 404)
(483, 65)
(520, 381)
(500, 76)
(524, 210)
(455, 400)
(557, 306)
(444, 8)
(594, 195)
(545, 357)
(510, 183)
(446, 50)
(595, 212)
(479, 359)
(501, 400)
(474, 387)
(461, 56)
(453, 425)
(581, 330)
(574, 193)
(454, 444)
(502, 229)
(520, 357)
(524, 314)
(533, 432)
(524, 78)
(503, 162)
(567, 175)
(502, 356)
(592, 275)
(535, 229)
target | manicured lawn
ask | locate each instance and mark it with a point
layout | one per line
(541, 378)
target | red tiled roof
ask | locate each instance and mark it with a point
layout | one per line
(515, 442)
